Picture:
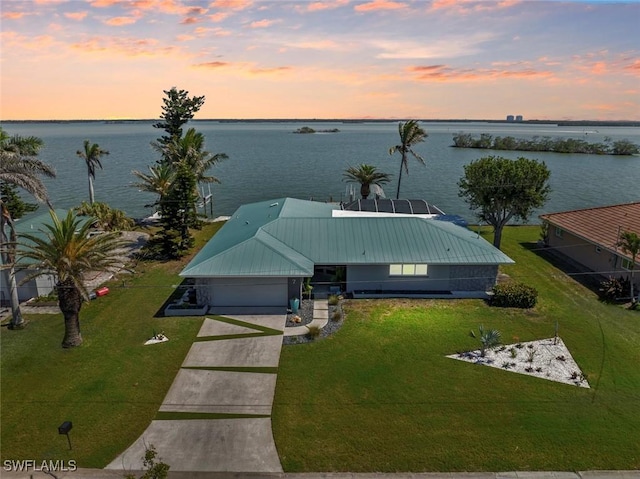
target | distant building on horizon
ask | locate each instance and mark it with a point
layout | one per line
(518, 117)
(512, 118)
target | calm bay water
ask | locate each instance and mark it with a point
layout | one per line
(267, 161)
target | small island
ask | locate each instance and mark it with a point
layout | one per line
(306, 130)
(546, 143)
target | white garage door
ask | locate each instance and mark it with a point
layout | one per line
(250, 292)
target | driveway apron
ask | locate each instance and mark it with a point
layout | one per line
(217, 414)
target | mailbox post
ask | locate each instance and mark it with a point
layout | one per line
(64, 428)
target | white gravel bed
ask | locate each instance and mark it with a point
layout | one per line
(544, 358)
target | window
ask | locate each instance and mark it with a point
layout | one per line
(408, 269)
(395, 270)
(559, 232)
(626, 263)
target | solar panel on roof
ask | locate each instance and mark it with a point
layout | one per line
(385, 206)
(402, 206)
(367, 205)
(420, 207)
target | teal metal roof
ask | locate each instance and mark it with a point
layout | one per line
(286, 237)
(33, 224)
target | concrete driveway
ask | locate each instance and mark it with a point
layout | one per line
(216, 416)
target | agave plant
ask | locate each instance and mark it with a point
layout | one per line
(488, 339)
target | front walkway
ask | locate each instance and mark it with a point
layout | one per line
(320, 319)
(216, 416)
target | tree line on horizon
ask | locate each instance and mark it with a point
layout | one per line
(546, 144)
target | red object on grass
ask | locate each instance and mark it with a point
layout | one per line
(102, 291)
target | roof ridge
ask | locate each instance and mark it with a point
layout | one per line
(592, 208)
(214, 256)
(279, 252)
(467, 235)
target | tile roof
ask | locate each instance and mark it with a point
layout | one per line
(600, 226)
(286, 237)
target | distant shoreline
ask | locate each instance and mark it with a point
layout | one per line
(584, 123)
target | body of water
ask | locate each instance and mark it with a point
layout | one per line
(266, 160)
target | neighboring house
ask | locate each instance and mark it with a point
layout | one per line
(590, 236)
(41, 286)
(262, 255)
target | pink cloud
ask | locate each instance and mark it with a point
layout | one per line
(599, 68)
(38, 43)
(324, 5)
(119, 21)
(174, 7)
(246, 69)
(472, 6)
(216, 32)
(125, 46)
(14, 15)
(185, 38)
(105, 3)
(76, 15)
(318, 45)
(196, 11)
(231, 4)
(269, 71)
(445, 73)
(218, 17)
(190, 20)
(603, 63)
(633, 67)
(262, 23)
(379, 5)
(212, 65)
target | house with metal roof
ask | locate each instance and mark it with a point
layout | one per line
(590, 236)
(265, 251)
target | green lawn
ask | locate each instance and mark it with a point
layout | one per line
(110, 387)
(381, 396)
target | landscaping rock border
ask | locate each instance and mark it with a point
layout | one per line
(550, 360)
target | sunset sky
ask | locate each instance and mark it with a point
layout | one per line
(449, 59)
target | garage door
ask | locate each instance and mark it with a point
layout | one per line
(250, 292)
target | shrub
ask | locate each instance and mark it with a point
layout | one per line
(106, 218)
(154, 468)
(611, 289)
(314, 331)
(336, 316)
(333, 300)
(514, 295)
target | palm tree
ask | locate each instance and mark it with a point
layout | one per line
(410, 135)
(488, 339)
(67, 250)
(91, 155)
(366, 175)
(18, 167)
(189, 152)
(158, 180)
(190, 148)
(630, 244)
